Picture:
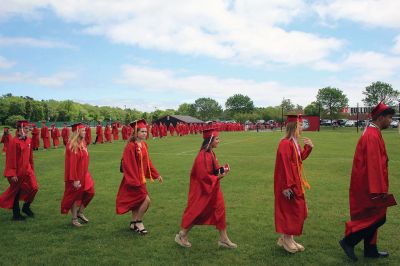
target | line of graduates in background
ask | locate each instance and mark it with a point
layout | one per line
(111, 133)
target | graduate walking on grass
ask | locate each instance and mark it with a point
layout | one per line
(35, 143)
(79, 185)
(65, 134)
(289, 183)
(369, 187)
(88, 135)
(205, 200)
(55, 135)
(45, 135)
(99, 133)
(136, 167)
(19, 172)
(6, 138)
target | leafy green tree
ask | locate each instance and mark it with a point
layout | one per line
(207, 108)
(37, 111)
(379, 91)
(186, 109)
(28, 109)
(239, 103)
(287, 106)
(312, 109)
(332, 100)
(12, 120)
(17, 107)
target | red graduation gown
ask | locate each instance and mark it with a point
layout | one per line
(205, 200)
(65, 135)
(369, 176)
(19, 163)
(137, 166)
(88, 136)
(6, 139)
(289, 214)
(44, 134)
(171, 129)
(115, 132)
(35, 138)
(76, 167)
(55, 134)
(107, 133)
(99, 133)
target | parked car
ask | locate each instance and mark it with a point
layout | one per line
(350, 123)
(394, 124)
(325, 122)
(341, 122)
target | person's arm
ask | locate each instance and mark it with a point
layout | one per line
(376, 167)
(202, 171)
(11, 160)
(308, 146)
(286, 172)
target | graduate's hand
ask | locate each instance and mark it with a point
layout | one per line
(288, 193)
(14, 179)
(160, 179)
(220, 176)
(308, 142)
(77, 184)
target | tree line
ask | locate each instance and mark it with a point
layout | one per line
(329, 103)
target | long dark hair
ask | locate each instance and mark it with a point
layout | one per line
(206, 146)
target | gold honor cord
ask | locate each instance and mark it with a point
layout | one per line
(300, 168)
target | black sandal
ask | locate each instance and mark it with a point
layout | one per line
(140, 232)
(134, 229)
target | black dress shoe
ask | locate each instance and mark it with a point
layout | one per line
(379, 254)
(27, 210)
(348, 250)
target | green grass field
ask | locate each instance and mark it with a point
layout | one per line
(49, 239)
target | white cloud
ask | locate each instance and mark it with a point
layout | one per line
(383, 13)
(245, 31)
(168, 82)
(5, 63)
(32, 42)
(55, 80)
(372, 65)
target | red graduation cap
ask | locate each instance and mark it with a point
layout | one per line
(294, 118)
(141, 123)
(22, 123)
(6, 129)
(379, 109)
(53, 125)
(33, 125)
(210, 132)
(77, 126)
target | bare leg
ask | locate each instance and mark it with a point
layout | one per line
(223, 236)
(74, 212)
(134, 213)
(141, 211)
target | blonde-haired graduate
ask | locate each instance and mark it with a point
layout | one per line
(136, 167)
(79, 185)
(290, 203)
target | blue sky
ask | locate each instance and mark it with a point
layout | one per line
(159, 54)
